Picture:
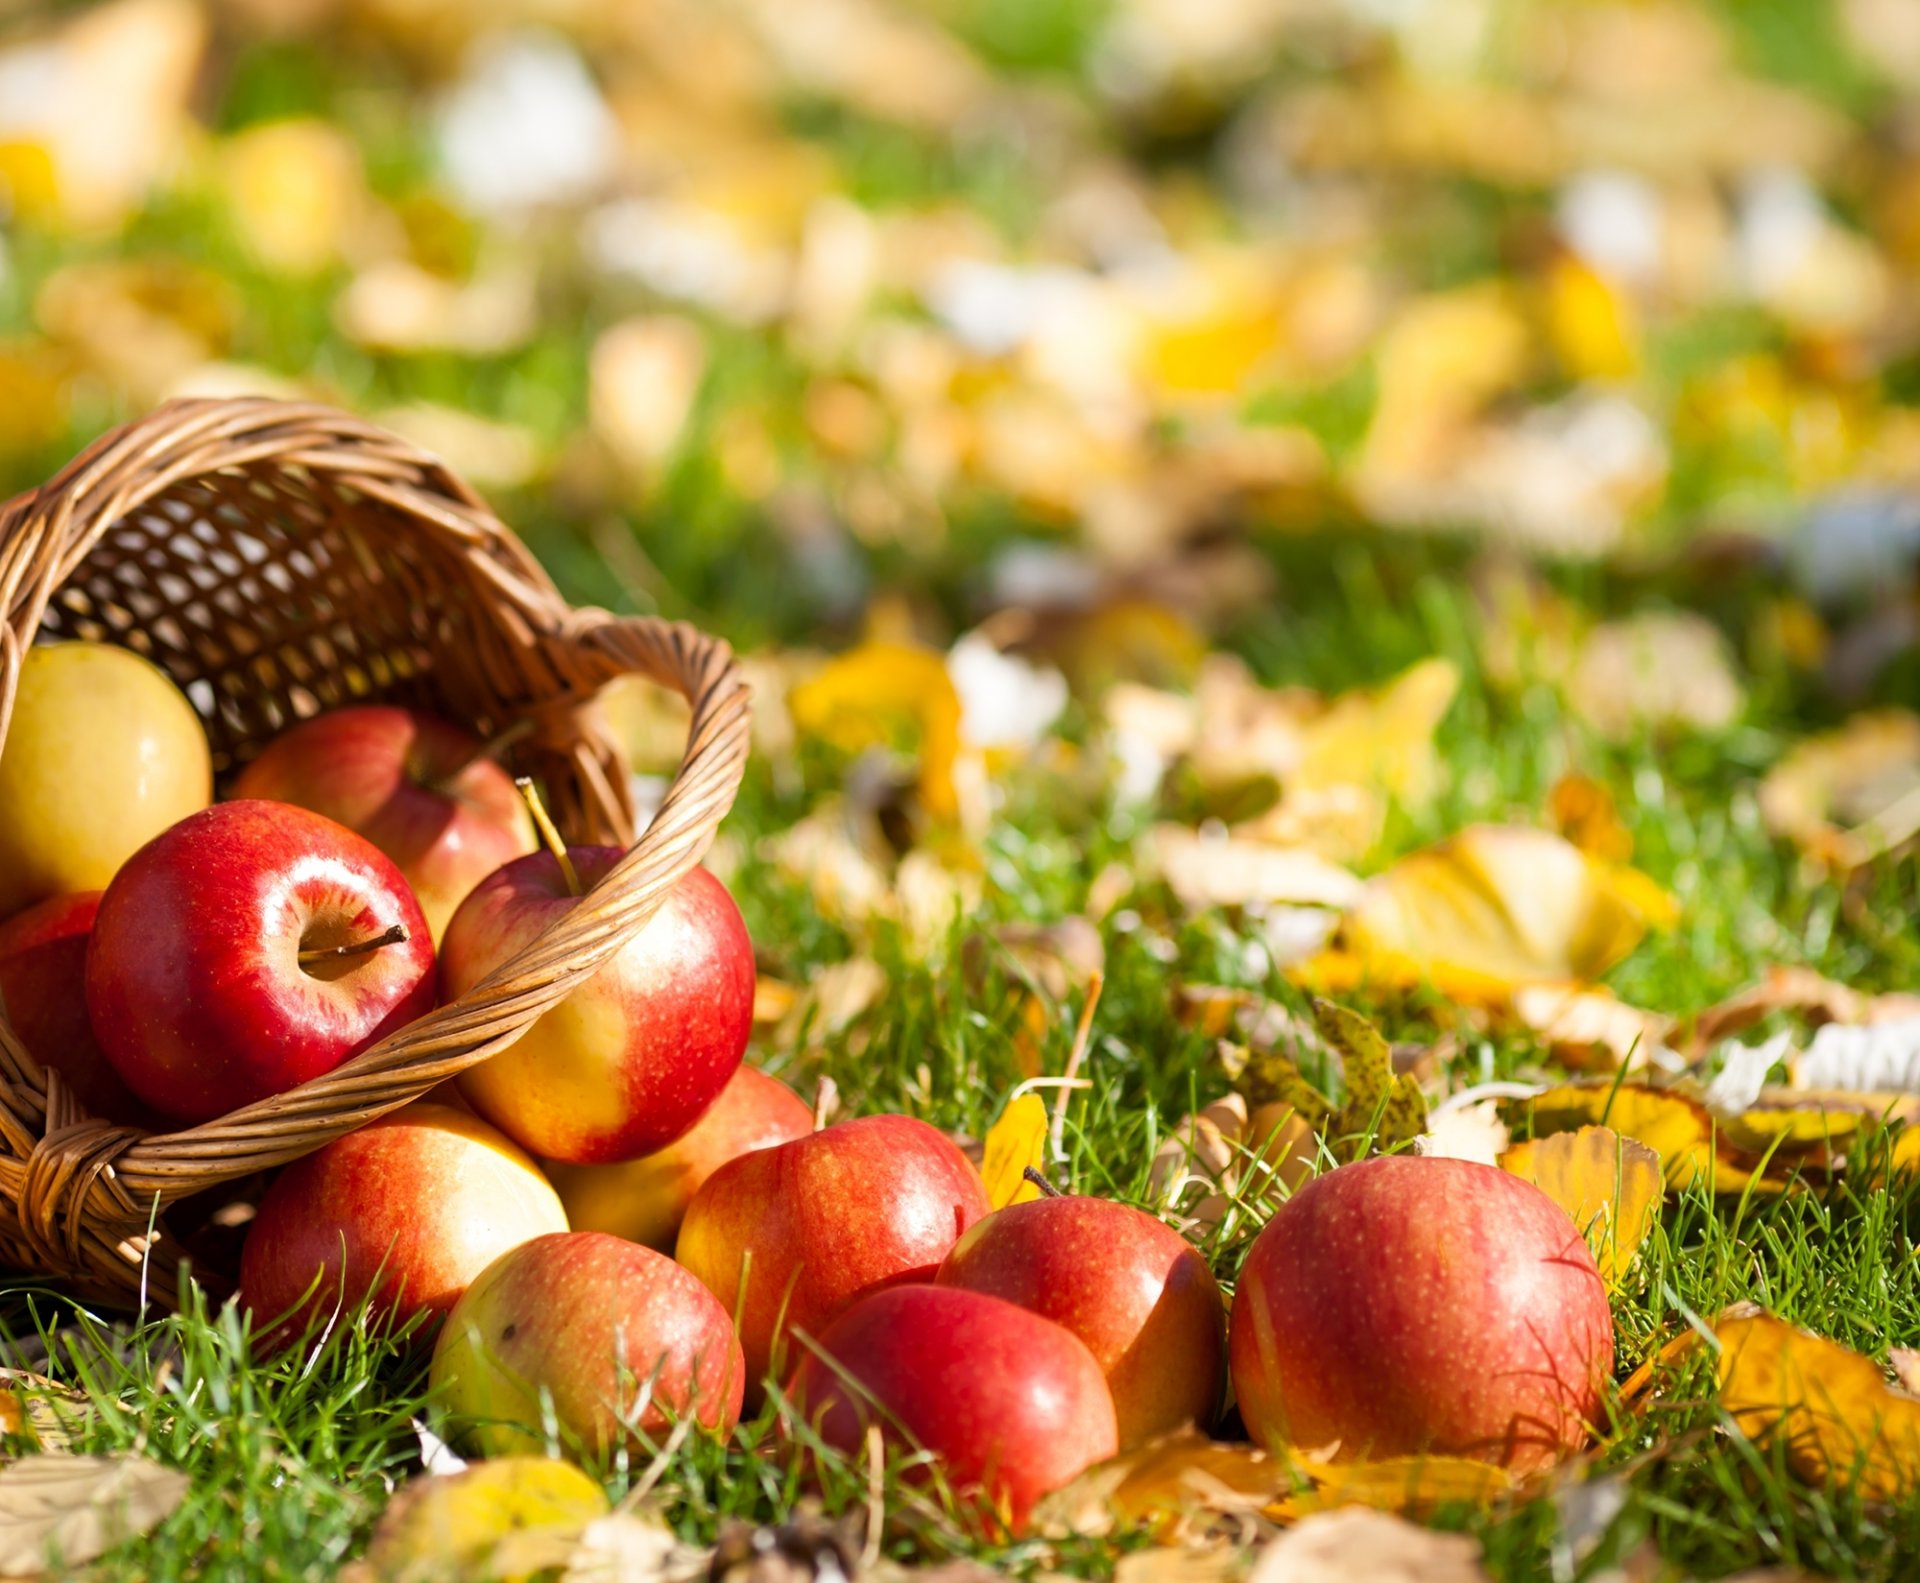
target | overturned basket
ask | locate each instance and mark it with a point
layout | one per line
(277, 559)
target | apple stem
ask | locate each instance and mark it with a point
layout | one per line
(397, 935)
(1096, 981)
(549, 834)
(492, 748)
(826, 1099)
(1038, 1177)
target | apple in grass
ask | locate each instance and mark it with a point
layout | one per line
(634, 1056)
(421, 789)
(247, 949)
(102, 753)
(1403, 1306)
(1136, 1293)
(1013, 1405)
(790, 1236)
(645, 1200)
(43, 961)
(617, 1339)
(408, 1209)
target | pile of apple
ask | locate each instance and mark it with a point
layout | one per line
(174, 958)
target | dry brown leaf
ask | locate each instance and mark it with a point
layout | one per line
(622, 1547)
(60, 1510)
(1804, 992)
(1610, 1185)
(43, 1412)
(1833, 793)
(1219, 1563)
(1829, 1407)
(1175, 1485)
(1495, 907)
(1360, 1545)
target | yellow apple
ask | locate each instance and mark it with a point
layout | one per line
(103, 753)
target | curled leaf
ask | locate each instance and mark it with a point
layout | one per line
(1610, 1185)
(64, 1510)
(1173, 1485)
(1380, 1106)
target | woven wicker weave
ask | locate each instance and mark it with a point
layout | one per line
(277, 559)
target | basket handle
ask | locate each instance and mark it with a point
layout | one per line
(591, 649)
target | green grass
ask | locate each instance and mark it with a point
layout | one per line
(293, 1459)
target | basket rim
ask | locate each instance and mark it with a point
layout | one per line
(87, 1189)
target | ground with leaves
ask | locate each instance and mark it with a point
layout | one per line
(1318, 502)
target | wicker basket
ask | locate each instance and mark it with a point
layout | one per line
(277, 559)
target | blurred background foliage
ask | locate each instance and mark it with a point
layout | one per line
(747, 310)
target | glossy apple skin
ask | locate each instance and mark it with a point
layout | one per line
(102, 754)
(645, 1200)
(1012, 1404)
(409, 1208)
(1407, 1305)
(1137, 1294)
(194, 984)
(43, 962)
(590, 1318)
(411, 784)
(821, 1222)
(632, 1058)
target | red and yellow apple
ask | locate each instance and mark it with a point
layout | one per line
(419, 788)
(247, 949)
(1404, 1306)
(633, 1057)
(1013, 1405)
(43, 978)
(1136, 1293)
(407, 1210)
(645, 1200)
(790, 1236)
(102, 753)
(617, 1338)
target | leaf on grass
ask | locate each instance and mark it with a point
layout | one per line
(1222, 871)
(1874, 1060)
(1653, 670)
(1583, 811)
(1499, 906)
(894, 696)
(1590, 1029)
(1407, 1486)
(65, 1510)
(1379, 1107)
(1834, 794)
(1829, 1407)
(40, 1411)
(1361, 1545)
(456, 1524)
(1675, 1125)
(626, 1547)
(1610, 1185)
(1217, 1563)
(1803, 992)
(1174, 1485)
(1014, 1142)
(1231, 1155)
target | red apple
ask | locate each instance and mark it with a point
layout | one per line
(43, 961)
(619, 1338)
(409, 1208)
(419, 788)
(1136, 1293)
(1012, 1404)
(1405, 1306)
(632, 1058)
(645, 1200)
(788, 1237)
(235, 956)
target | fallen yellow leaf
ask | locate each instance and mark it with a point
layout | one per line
(1014, 1142)
(1676, 1126)
(454, 1524)
(1498, 906)
(1409, 1486)
(1830, 1407)
(1172, 1485)
(894, 696)
(1610, 1185)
